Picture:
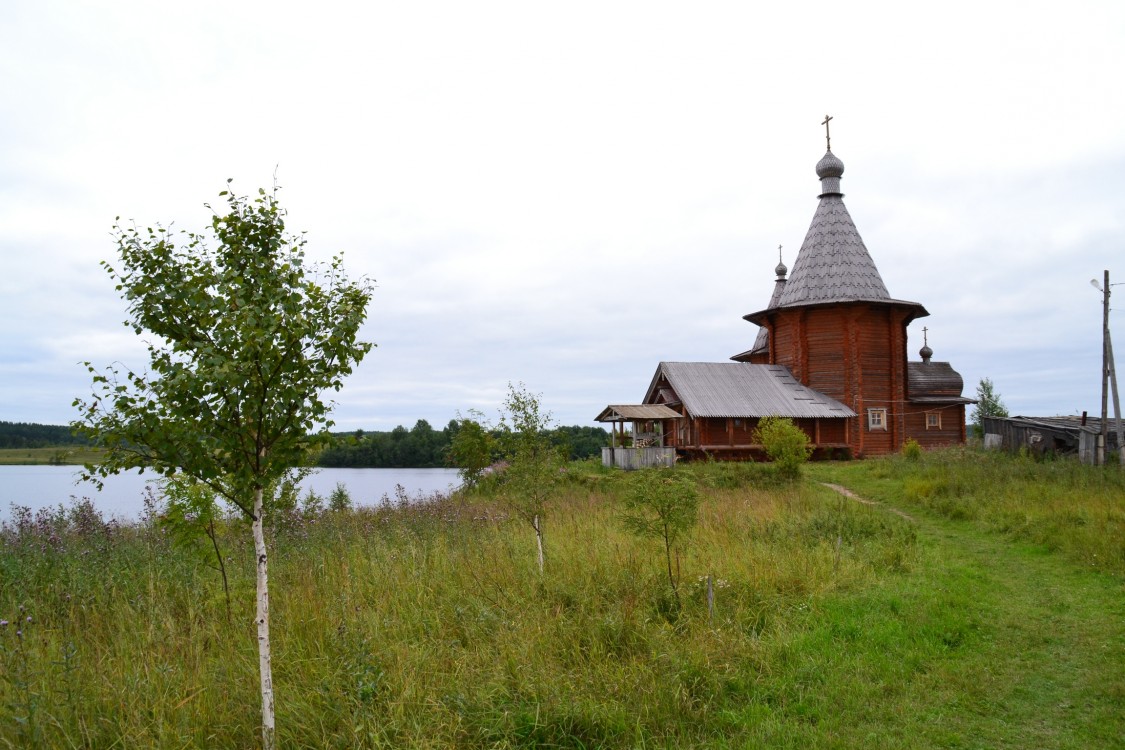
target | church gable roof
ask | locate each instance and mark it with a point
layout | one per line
(739, 389)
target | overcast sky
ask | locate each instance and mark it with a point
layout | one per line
(567, 194)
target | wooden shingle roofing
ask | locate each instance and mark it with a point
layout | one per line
(934, 382)
(740, 389)
(833, 265)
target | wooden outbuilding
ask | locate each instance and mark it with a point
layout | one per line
(1043, 436)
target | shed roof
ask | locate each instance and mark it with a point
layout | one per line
(1063, 423)
(628, 413)
(740, 389)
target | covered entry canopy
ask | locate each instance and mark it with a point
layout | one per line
(647, 443)
(637, 413)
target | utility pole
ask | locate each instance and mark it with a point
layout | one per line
(1109, 378)
(1105, 372)
(1116, 404)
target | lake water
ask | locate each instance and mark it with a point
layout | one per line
(123, 495)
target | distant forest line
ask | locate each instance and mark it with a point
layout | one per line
(420, 447)
(424, 447)
(30, 435)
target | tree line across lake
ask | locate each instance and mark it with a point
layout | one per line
(420, 447)
(424, 447)
(30, 435)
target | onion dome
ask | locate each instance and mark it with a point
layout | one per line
(781, 270)
(829, 166)
(829, 169)
(926, 353)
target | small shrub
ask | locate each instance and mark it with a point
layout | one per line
(312, 505)
(911, 451)
(663, 504)
(339, 500)
(472, 449)
(786, 445)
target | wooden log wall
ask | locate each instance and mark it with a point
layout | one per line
(951, 432)
(855, 353)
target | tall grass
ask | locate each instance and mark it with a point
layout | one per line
(425, 623)
(1066, 506)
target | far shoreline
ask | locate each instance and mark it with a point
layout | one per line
(59, 455)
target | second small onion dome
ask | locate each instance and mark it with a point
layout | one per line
(926, 352)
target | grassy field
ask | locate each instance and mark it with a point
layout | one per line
(973, 602)
(68, 455)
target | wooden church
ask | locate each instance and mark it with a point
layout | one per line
(831, 354)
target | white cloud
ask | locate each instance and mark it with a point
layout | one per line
(566, 196)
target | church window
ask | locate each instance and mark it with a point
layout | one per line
(877, 419)
(933, 421)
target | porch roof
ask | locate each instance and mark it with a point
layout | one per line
(634, 412)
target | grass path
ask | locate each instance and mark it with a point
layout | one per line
(985, 643)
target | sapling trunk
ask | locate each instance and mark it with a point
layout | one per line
(668, 557)
(210, 531)
(263, 622)
(538, 540)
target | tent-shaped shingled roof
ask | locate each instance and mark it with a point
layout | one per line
(833, 264)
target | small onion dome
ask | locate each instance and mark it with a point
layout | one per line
(926, 352)
(829, 166)
(781, 270)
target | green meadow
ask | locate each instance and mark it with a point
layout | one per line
(961, 600)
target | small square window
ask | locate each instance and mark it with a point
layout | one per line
(877, 419)
(933, 421)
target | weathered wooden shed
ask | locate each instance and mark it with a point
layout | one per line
(1048, 435)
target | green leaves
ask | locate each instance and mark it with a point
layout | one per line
(786, 445)
(989, 404)
(662, 504)
(244, 343)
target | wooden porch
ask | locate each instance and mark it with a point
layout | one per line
(644, 446)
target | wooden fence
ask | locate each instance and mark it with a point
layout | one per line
(638, 458)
